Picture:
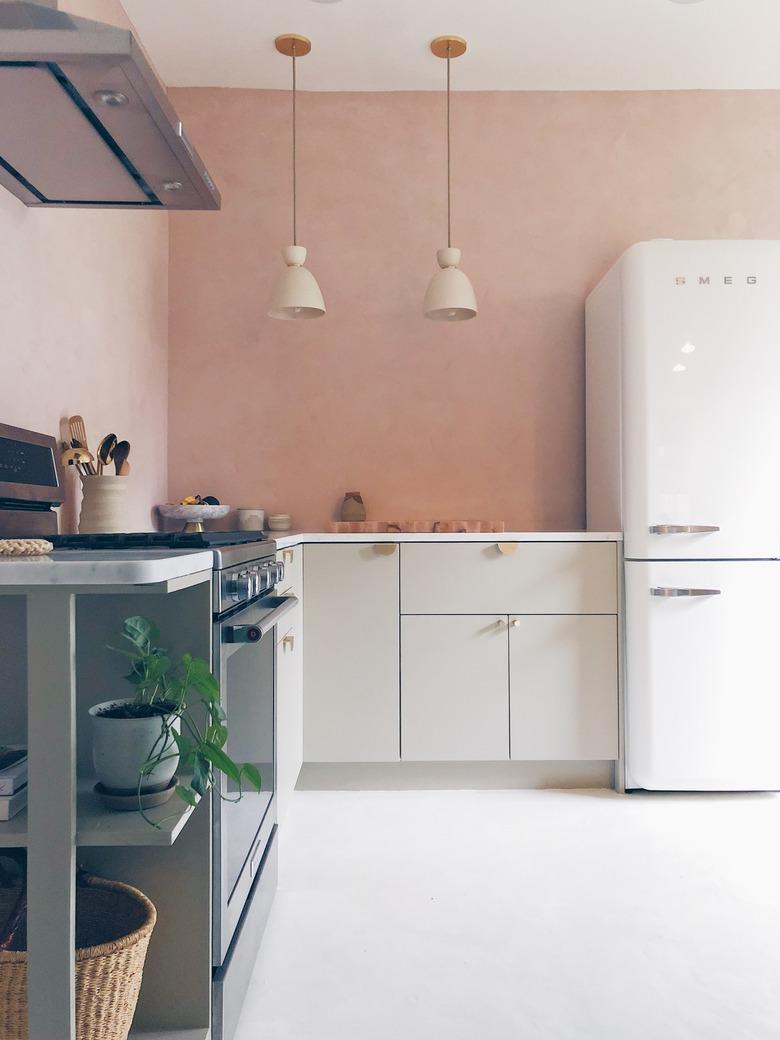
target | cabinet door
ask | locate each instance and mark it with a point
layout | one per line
(351, 701)
(454, 688)
(289, 708)
(564, 687)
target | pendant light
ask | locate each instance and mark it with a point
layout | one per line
(296, 293)
(450, 296)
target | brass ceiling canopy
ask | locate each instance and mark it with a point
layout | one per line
(292, 45)
(448, 46)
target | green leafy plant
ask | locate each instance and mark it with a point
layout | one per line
(185, 691)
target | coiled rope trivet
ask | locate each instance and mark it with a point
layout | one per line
(24, 547)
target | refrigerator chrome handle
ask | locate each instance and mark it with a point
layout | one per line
(681, 593)
(684, 529)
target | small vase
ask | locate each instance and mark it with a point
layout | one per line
(103, 509)
(352, 508)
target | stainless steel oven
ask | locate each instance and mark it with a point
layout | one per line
(244, 830)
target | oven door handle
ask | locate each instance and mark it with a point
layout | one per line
(254, 633)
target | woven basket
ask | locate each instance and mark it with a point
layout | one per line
(113, 925)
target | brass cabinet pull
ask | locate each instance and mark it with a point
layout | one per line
(289, 643)
(506, 548)
(385, 548)
(288, 555)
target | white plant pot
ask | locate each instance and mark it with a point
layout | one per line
(103, 504)
(120, 747)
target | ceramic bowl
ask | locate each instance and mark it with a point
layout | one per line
(279, 522)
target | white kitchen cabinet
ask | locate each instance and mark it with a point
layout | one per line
(454, 688)
(289, 708)
(563, 687)
(351, 666)
(509, 578)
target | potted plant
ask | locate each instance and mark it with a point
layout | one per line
(173, 720)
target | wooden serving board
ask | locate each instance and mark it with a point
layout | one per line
(416, 527)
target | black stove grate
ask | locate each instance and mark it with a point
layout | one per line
(156, 540)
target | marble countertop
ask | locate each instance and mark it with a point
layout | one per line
(289, 538)
(103, 567)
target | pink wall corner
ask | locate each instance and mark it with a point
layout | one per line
(481, 419)
(85, 328)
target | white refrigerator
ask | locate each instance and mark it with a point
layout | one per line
(683, 456)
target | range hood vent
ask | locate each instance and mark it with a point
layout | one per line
(85, 121)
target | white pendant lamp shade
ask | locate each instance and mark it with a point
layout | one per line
(450, 295)
(296, 293)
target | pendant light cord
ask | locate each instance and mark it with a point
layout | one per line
(295, 172)
(449, 163)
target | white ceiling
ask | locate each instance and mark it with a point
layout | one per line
(513, 44)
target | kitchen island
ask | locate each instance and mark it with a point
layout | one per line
(65, 607)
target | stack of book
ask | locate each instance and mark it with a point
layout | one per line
(13, 781)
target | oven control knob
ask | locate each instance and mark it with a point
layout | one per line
(267, 576)
(241, 588)
(257, 581)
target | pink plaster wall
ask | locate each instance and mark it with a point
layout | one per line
(480, 419)
(85, 327)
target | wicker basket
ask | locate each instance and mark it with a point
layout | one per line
(113, 925)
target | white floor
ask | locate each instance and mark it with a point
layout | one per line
(522, 915)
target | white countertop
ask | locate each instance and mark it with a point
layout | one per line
(286, 539)
(103, 567)
(148, 566)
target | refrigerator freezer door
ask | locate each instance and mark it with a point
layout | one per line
(701, 400)
(703, 676)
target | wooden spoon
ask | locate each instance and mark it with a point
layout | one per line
(121, 465)
(105, 450)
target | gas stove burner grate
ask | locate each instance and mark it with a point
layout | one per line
(157, 540)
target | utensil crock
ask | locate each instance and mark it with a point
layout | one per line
(103, 504)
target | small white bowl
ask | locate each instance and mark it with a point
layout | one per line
(279, 522)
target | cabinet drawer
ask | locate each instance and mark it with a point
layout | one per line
(292, 582)
(531, 578)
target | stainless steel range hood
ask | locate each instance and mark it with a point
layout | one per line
(84, 120)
